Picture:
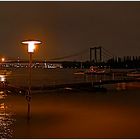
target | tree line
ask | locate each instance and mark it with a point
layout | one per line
(126, 62)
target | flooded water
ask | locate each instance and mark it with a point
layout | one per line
(41, 77)
(44, 76)
(67, 114)
(6, 117)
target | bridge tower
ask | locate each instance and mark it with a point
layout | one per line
(97, 54)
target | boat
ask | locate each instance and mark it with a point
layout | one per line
(135, 73)
(96, 70)
(80, 72)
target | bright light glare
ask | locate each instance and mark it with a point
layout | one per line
(2, 59)
(2, 78)
(31, 45)
(2, 106)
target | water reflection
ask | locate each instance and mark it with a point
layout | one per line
(2, 78)
(121, 86)
(6, 120)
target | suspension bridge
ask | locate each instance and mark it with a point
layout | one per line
(96, 54)
(92, 54)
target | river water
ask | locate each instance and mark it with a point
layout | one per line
(67, 114)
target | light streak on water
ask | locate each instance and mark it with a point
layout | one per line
(6, 118)
(2, 78)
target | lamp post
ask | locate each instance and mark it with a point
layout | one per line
(31, 47)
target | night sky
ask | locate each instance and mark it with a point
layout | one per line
(66, 28)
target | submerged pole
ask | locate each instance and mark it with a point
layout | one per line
(31, 48)
(28, 96)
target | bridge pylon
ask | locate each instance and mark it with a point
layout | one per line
(97, 54)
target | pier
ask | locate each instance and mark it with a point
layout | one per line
(93, 85)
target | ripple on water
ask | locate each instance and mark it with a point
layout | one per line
(6, 120)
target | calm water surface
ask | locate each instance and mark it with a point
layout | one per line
(41, 77)
(66, 114)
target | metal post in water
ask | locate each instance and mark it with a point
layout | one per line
(31, 48)
(29, 91)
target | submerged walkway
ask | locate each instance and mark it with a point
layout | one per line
(80, 86)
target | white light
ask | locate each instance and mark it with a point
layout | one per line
(2, 78)
(3, 59)
(31, 45)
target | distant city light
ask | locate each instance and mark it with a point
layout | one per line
(2, 78)
(31, 45)
(2, 59)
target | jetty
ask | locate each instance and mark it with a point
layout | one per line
(94, 85)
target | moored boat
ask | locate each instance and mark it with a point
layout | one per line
(79, 72)
(134, 73)
(96, 70)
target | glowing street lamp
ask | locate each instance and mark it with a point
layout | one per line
(31, 48)
(31, 45)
